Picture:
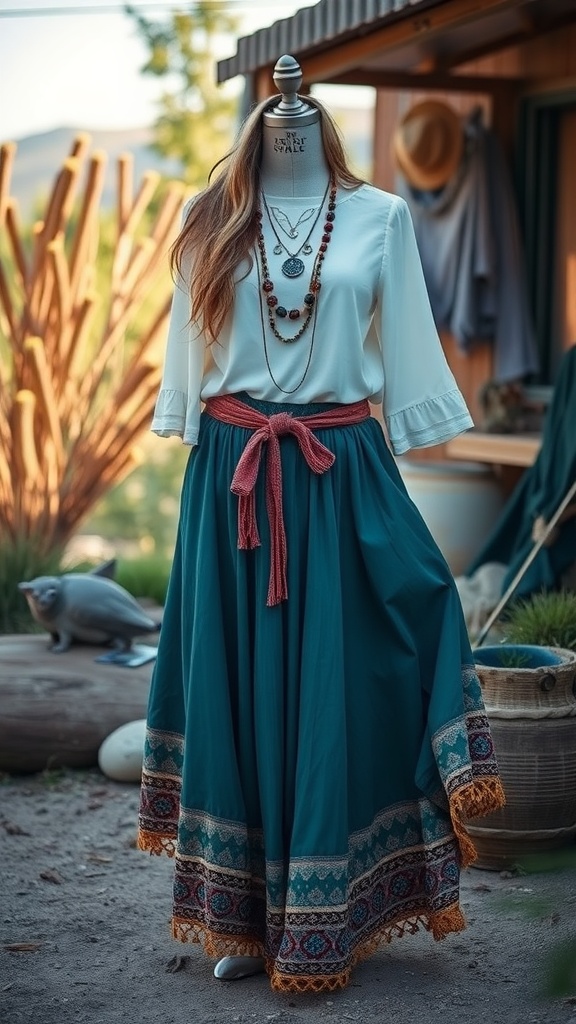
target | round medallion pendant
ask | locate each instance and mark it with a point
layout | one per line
(292, 267)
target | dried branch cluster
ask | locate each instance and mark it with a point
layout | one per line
(75, 395)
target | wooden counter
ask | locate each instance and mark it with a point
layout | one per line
(498, 449)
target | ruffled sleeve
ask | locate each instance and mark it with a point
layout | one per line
(177, 411)
(422, 404)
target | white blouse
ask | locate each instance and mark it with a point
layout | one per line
(374, 336)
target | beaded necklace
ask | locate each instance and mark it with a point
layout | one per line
(274, 307)
(286, 391)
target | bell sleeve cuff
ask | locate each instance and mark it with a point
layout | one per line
(422, 403)
(173, 417)
(177, 411)
(429, 422)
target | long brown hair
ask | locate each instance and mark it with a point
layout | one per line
(220, 228)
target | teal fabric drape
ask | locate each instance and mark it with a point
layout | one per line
(309, 764)
(539, 493)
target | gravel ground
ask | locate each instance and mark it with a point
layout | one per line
(85, 938)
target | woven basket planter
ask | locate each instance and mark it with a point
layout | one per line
(532, 713)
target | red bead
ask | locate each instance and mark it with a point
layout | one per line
(323, 247)
(268, 286)
(328, 226)
(294, 314)
(325, 239)
(315, 286)
(330, 216)
(272, 300)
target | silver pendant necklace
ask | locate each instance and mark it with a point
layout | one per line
(294, 266)
(284, 223)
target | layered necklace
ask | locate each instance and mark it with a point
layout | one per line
(309, 308)
(275, 309)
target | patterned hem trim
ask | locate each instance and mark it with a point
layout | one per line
(156, 844)
(441, 924)
(473, 800)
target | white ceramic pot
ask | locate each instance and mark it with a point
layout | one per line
(460, 503)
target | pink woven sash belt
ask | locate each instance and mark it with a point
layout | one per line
(268, 430)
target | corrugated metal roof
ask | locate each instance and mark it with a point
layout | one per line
(313, 28)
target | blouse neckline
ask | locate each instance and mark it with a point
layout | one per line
(343, 195)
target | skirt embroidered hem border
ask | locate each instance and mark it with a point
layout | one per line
(471, 801)
(312, 780)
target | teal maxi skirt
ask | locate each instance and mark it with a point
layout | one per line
(310, 765)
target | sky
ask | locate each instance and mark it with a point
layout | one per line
(76, 63)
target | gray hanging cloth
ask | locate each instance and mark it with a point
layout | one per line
(469, 241)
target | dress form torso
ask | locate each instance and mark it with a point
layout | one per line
(293, 159)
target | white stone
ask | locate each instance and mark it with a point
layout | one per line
(121, 754)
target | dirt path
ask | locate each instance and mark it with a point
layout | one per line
(95, 911)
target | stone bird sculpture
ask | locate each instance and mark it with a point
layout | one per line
(86, 607)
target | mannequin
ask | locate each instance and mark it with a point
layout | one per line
(315, 731)
(293, 166)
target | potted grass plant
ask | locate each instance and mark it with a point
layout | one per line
(529, 688)
(547, 619)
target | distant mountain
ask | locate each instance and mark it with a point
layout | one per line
(39, 158)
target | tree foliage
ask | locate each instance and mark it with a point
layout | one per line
(196, 119)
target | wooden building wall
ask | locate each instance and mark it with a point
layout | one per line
(546, 63)
(565, 297)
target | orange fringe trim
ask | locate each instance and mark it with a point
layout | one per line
(473, 801)
(155, 844)
(215, 945)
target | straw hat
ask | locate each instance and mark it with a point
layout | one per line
(427, 144)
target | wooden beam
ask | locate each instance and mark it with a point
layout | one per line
(487, 49)
(340, 58)
(264, 83)
(439, 80)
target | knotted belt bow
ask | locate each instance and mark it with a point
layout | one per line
(268, 430)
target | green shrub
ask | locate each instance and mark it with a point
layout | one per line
(144, 577)
(547, 619)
